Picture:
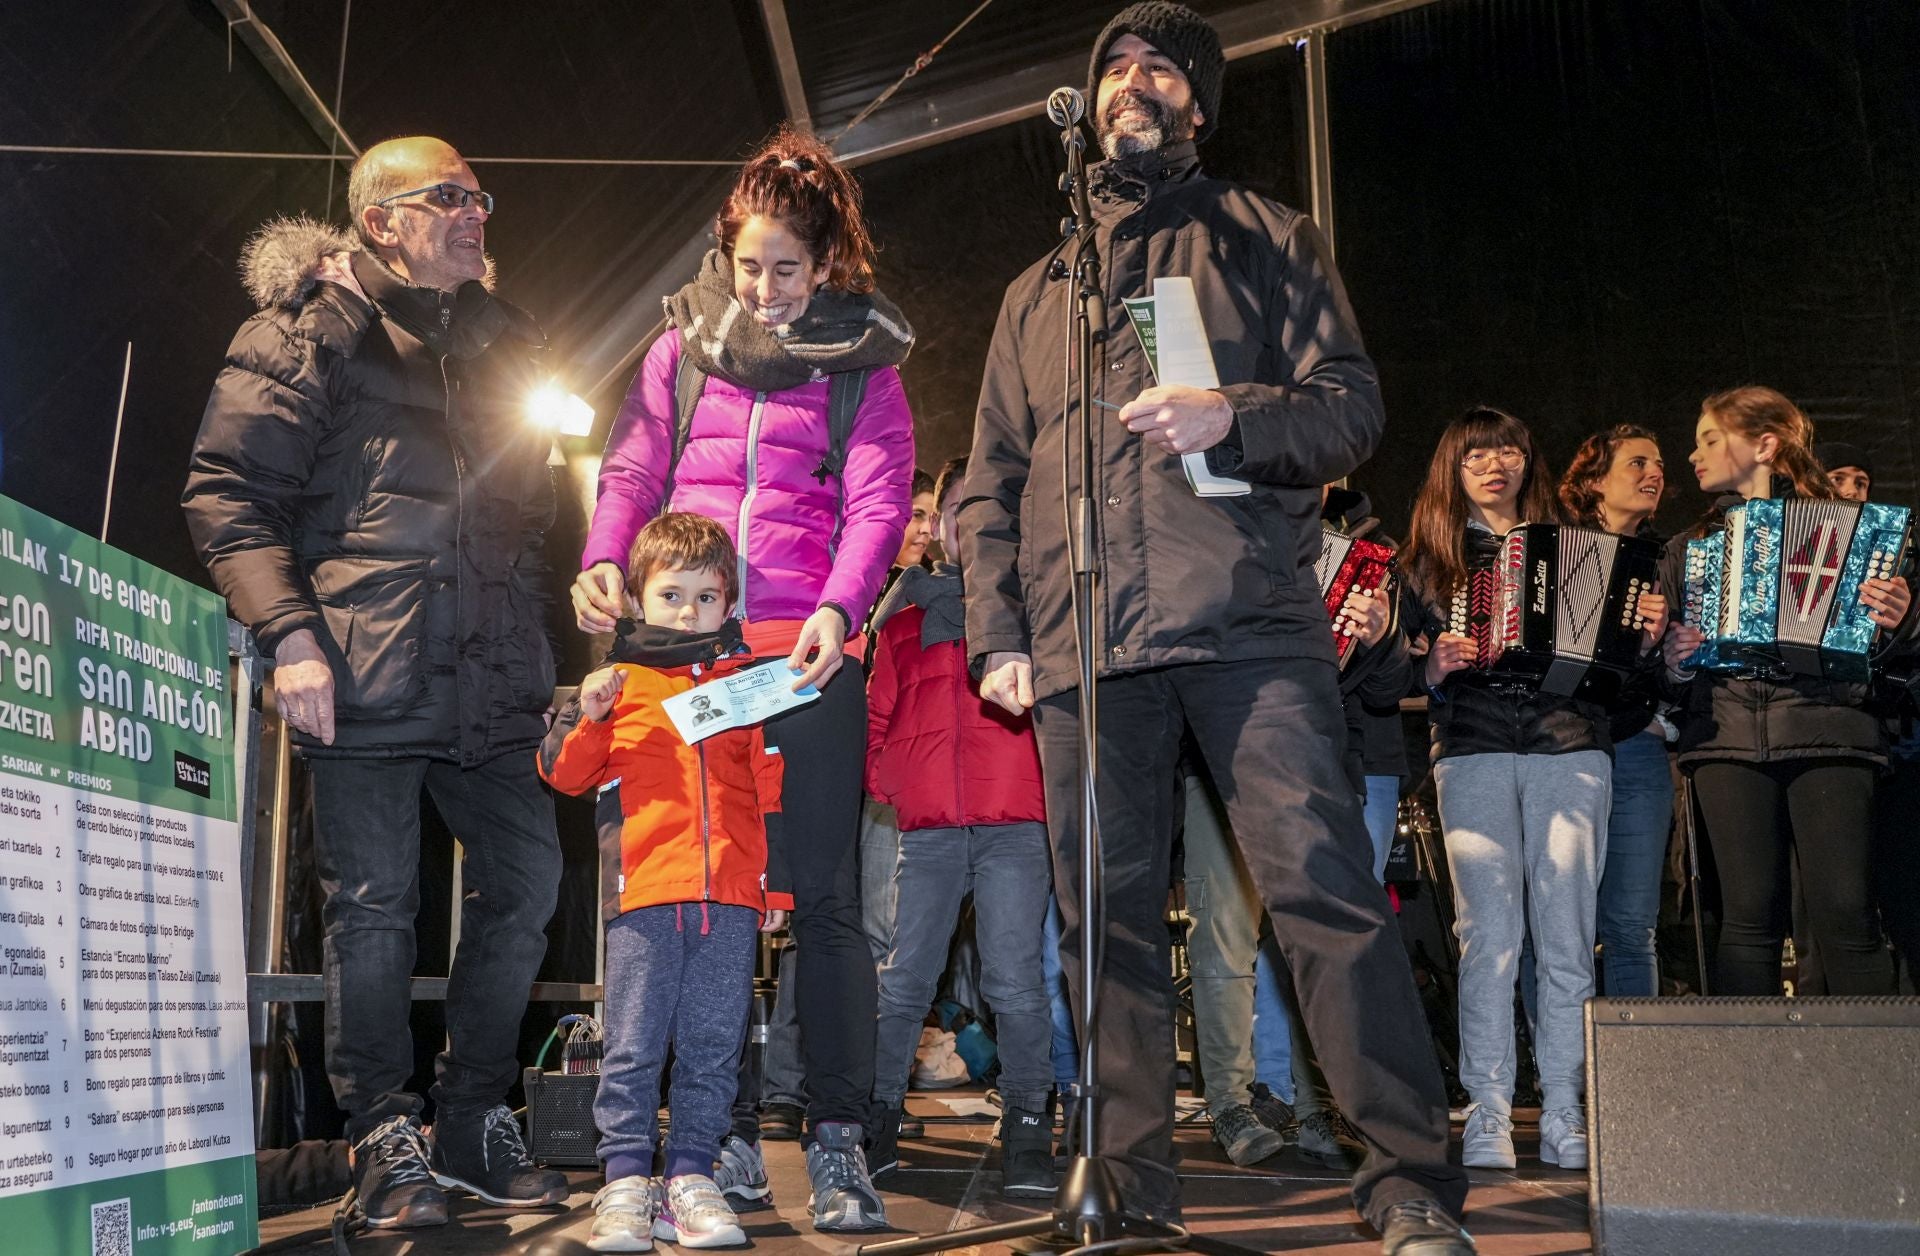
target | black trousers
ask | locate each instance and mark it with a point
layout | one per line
(1272, 734)
(1896, 804)
(824, 745)
(1758, 816)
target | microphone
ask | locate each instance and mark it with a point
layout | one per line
(1066, 106)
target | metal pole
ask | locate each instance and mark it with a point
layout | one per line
(267, 913)
(1313, 46)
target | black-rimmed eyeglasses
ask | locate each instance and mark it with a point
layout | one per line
(446, 196)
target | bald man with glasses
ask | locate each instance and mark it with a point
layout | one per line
(367, 496)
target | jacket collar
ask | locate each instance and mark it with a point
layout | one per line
(463, 323)
(649, 646)
(1124, 182)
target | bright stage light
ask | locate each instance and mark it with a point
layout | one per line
(554, 408)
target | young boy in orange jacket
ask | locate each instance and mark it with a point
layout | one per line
(692, 871)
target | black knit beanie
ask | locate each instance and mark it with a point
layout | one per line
(1183, 35)
(1835, 454)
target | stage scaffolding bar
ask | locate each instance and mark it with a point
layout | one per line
(1319, 137)
(310, 988)
(793, 88)
(279, 65)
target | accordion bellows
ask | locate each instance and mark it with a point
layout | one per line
(1779, 587)
(1557, 610)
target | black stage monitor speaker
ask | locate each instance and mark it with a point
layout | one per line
(560, 1129)
(1754, 1127)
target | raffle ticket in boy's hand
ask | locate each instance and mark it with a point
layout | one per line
(736, 700)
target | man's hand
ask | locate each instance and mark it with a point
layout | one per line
(825, 636)
(596, 597)
(303, 685)
(1680, 643)
(1363, 615)
(1177, 418)
(774, 920)
(1008, 681)
(1652, 609)
(1450, 653)
(1886, 601)
(598, 691)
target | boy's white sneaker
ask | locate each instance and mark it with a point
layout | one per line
(623, 1212)
(1487, 1140)
(693, 1213)
(1563, 1137)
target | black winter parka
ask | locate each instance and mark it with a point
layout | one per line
(363, 470)
(1187, 579)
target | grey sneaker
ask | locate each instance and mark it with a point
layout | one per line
(1421, 1227)
(1326, 1137)
(1487, 1141)
(693, 1213)
(623, 1212)
(742, 1175)
(1563, 1137)
(843, 1195)
(1243, 1136)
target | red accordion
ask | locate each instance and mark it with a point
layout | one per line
(1349, 565)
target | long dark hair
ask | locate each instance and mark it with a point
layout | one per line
(1435, 552)
(795, 181)
(1580, 485)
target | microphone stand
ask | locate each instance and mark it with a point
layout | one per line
(1087, 1209)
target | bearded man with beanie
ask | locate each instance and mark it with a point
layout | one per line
(1209, 621)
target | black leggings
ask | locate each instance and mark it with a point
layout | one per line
(1758, 816)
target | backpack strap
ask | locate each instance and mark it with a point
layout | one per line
(845, 391)
(689, 381)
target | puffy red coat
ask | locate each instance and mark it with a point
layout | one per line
(936, 751)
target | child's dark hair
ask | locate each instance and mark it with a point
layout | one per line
(795, 181)
(922, 482)
(679, 541)
(951, 475)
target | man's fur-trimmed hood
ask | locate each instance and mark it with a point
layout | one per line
(287, 258)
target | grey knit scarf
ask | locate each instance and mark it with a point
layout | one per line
(840, 331)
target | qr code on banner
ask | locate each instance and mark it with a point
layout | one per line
(113, 1228)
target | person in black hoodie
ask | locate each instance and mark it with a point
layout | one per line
(1615, 483)
(1782, 765)
(1524, 783)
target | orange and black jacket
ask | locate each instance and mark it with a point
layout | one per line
(694, 824)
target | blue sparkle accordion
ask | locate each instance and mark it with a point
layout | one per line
(1779, 588)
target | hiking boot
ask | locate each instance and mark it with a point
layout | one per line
(1243, 1136)
(1274, 1112)
(1421, 1227)
(1326, 1137)
(1563, 1137)
(1487, 1140)
(911, 1126)
(883, 1147)
(742, 1175)
(390, 1174)
(843, 1194)
(485, 1155)
(782, 1122)
(693, 1213)
(1026, 1155)
(623, 1212)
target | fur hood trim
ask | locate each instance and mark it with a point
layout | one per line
(282, 262)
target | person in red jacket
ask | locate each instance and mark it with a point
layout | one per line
(964, 776)
(691, 873)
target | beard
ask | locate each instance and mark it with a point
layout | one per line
(1135, 133)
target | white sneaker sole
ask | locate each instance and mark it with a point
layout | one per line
(725, 1236)
(621, 1243)
(1552, 1156)
(1490, 1160)
(558, 1196)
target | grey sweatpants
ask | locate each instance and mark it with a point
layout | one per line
(1526, 839)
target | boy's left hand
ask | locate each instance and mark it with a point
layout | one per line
(773, 920)
(598, 691)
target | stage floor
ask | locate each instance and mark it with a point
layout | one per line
(1286, 1204)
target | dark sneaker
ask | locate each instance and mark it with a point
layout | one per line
(1026, 1155)
(1274, 1112)
(1243, 1136)
(390, 1175)
(742, 1175)
(912, 1127)
(883, 1147)
(1421, 1227)
(1326, 1137)
(485, 1155)
(782, 1122)
(843, 1194)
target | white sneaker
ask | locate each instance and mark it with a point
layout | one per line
(1487, 1140)
(623, 1212)
(693, 1213)
(742, 1174)
(1563, 1137)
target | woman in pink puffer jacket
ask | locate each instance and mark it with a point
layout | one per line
(784, 302)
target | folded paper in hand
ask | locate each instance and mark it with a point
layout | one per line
(736, 700)
(1175, 340)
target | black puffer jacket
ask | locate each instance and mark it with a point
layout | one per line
(1765, 717)
(1468, 717)
(363, 471)
(1188, 579)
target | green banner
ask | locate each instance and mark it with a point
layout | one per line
(205, 1209)
(113, 673)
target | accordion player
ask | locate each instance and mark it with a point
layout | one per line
(1557, 610)
(1349, 565)
(1779, 588)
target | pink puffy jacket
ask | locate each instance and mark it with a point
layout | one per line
(749, 465)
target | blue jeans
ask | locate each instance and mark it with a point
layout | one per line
(1637, 830)
(879, 851)
(1007, 867)
(1066, 1038)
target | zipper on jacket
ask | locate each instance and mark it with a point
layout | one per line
(706, 816)
(459, 531)
(746, 498)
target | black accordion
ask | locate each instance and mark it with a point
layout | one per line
(1556, 609)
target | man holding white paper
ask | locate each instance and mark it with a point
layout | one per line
(1209, 619)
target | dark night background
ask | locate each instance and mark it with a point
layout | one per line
(1583, 211)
